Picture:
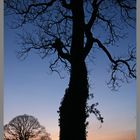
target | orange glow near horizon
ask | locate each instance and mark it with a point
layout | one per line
(100, 135)
(55, 136)
(104, 135)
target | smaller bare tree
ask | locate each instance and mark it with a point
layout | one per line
(45, 137)
(24, 127)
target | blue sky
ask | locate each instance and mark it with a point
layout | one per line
(30, 88)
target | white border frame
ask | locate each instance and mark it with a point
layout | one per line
(1, 69)
(138, 71)
(2, 72)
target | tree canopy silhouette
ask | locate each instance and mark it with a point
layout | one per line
(67, 31)
(25, 127)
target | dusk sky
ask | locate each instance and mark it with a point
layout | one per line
(31, 88)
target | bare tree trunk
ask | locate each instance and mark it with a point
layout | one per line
(23, 138)
(73, 108)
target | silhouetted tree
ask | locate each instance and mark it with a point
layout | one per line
(45, 137)
(67, 31)
(25, 127)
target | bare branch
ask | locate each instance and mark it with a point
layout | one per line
(110, 26)
(120, 67)
(58, 45)
(127, 10)
(95, 5)
(89, 42)
(27, 11)
(125, 5)
(65, 4)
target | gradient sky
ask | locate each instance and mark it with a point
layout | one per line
(30, 88)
